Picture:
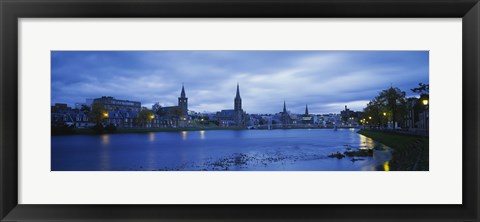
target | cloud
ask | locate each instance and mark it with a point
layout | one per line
(325, 80)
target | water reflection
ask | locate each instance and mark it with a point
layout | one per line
(184, 135)
(105, 152)
(151, 137)
(386, 167)
(366, 143)
(105, 139)
(202, 134)
(257, 150)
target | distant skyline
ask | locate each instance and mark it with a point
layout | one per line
(325, 80)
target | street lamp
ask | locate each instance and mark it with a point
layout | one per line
(105, 115)
(151, 120)
(425, 102)
(386, 120)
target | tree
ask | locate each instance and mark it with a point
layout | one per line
(85, 109)
(374, 113)
(98, 113)
(422, 89)
(393, 99)
(391, 102)
(145, 116)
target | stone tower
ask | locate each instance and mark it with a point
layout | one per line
(285, 117)
(239, 114)
(183, 102)
(238, 100)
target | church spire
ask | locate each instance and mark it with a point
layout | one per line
(183, 102)
(238, 92)
(306, 109)
(238, 100)
(284, 107)
(182, 95)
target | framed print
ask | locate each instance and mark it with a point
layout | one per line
(208, 110)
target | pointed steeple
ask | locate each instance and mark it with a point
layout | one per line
(306, 109)
(182, 95)
(284, 107)
(183, 102)
(238, 101)
(238, 92)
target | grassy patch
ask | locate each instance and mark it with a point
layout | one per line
(410, 152)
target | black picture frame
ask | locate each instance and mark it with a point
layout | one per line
(12, 10)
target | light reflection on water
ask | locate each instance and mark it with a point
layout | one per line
(184, 135)
(386, 167)
(151, 156)
(105, 152)
(258, 150)
(202, 134)
(366, 142)
(151, 136)
(105, 139)
(382, 155)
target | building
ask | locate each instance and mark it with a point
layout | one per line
(62, 115)
(59, 107)
(171, 116)
(237, 116)
(423, 113)
(307, 118)
(350, 117)
(87, 103)
(112, 104)
(122, 118)
(411, 117)
(285, 116)
(183, 103)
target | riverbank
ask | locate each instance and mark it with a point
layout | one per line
(410, 152)
(141, 130)
(74, 131)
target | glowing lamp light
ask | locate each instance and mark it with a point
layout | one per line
(386, 166)
(369, 117)
(425, 102)
(152, 116)
(105, 115)
(384, 114)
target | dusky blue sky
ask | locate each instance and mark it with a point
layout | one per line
(325, 80)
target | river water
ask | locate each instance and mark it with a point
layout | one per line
(233, 150)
